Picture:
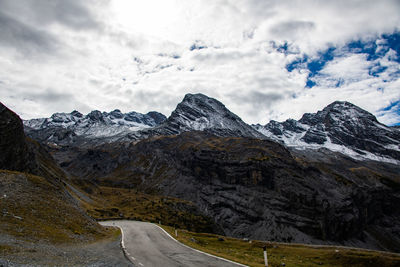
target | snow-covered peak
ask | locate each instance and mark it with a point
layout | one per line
(93, 125)
(115, 117)
(203, 113)
(338, 111)
(341, 126)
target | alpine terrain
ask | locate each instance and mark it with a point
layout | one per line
(332, 177)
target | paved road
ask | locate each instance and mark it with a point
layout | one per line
(148, 245)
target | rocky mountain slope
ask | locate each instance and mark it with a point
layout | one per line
(15, 154)
(198, 112)
(342, 127)
(258, 189)
(34, 202)
(96, 127)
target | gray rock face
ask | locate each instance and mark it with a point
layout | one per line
(15, 154)
(19, 153)
(341, 126)
(258, 189)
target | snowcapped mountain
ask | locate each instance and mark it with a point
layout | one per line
(341, 127)
(198, 112)
(67, 128)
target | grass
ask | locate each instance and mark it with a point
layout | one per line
(251, 252)
(7, 249)
(122, 203)
(33, 209)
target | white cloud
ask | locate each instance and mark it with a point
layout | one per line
(347, 78)
(134, 55)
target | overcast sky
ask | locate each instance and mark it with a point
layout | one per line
(263, 59)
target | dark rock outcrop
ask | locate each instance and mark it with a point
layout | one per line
(35, 205)
(15, 154)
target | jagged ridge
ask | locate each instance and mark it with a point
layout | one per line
(96, 127)
(342, 127)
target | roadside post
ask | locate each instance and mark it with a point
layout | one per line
(265, 256)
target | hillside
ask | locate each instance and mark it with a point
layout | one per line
(257, 188)
(38, 214)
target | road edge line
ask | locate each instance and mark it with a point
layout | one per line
(208, 254)
(122, 244)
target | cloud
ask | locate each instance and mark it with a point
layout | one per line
(125, 54)
(368, 80)
(24, 38)
(290, 30)
(390, 114)
(33, 101)
(72, 13)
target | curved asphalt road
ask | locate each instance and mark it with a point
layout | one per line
(148, 245)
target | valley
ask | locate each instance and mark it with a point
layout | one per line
(327, 179)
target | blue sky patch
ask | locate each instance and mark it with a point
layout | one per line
(394, 107)
(373, 48)
(284, 48)
(313, 65)
(197, 45)
(376, 69)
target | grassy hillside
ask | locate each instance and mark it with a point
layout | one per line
(102, 202)
(33, 209)
(291, 255)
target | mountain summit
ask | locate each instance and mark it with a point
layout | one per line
(198, 112)
(340, 126)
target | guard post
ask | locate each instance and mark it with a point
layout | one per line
(265, 255)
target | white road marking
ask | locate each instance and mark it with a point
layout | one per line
(134, 260)
(202, 252)
(126, 253)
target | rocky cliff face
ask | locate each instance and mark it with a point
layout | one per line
(258, 189)
(15, 154)
(198, 112)
(343, 127)
(19, 153)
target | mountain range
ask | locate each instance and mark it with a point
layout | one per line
(340, 127)
(330, 178)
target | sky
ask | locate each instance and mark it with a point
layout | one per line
(264, 59)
